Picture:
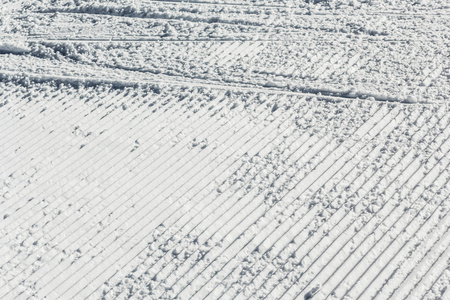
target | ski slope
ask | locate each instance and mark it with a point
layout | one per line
(211, 150)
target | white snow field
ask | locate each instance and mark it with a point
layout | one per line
(224, 150)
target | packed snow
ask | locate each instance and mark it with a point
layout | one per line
(288, 149)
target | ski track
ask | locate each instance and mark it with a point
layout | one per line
(224, 150)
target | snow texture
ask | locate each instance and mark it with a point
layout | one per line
(261, 149)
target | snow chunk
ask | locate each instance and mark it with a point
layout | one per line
(14, 47)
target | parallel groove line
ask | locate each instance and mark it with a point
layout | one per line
(198, 127)
(222, 193)
(39, 135)
(150, 223)
(15, 209)
(254, 211)
(409, 165)
(294, 225)
(261, 246)
(406, 260)
(339, 208)
(375, 259)
(156, 127)
(144, 124)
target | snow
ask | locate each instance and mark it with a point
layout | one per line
(208, 150)
(15, 48)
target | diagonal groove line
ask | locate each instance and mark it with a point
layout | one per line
(222, 51)
(385, 249)
(144, 125)
(413, 189)
(441, 275)
(426, 74)
(24, 163)
(336, 62)
(378, 240)
(290, 192)
(200, 125)
(316, 71)
(22, 129)
(254, 211)
(52, 203)
(246, 48)
(281, 236)
(117, 111)
(30, 118)
(287, 68)
(351, 61)
(144, 216)
(330, 229)
(405, 259)
(210, 203)
(366, 223)
(409, 242)
(445, 291)
(446, 252)
(218, 47)
(299, 234)
(231, 54)
(57, 175)
(302, 70)
(22, 104)
(249, 53)
(40, 134)
(9, 90)
(335, 184)
(399, 175)
(430, 251)
(129, 116)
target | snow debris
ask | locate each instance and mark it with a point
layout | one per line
(14, 47)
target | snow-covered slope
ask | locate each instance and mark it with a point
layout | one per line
(239, 150)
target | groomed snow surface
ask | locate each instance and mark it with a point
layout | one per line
(209, 150)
